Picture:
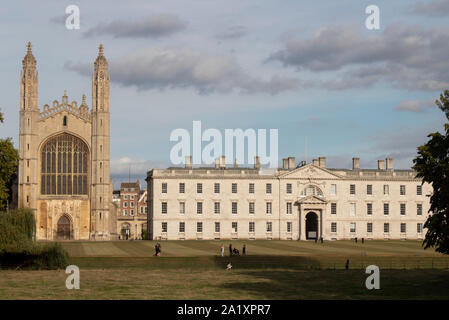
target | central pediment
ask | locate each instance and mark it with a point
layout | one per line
(311, 200)
(310, 171)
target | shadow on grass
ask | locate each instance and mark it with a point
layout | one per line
(197, 263)
(268, 262)
(342, 284)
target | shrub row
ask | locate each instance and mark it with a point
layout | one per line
(18, 249)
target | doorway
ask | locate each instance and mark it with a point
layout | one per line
(64, 228)
(311, 226)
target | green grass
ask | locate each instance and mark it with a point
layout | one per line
(271, 270)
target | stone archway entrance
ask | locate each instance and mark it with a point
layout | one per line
(64, 228)
(126, 231)
(311, 226)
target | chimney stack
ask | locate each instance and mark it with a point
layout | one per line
(188, 163)
(355, 163)
(389, 162)
(217, 163)
(222, 162)
(316, 162)
(285, 163)
(381, 164)
(322, 162)
(256, 162)
(291, 162)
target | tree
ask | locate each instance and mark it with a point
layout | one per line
(432, 165)
(9, 159)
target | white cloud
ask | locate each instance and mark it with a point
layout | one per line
(174, 68)
(415, 105)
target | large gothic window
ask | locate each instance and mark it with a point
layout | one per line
(64, 166)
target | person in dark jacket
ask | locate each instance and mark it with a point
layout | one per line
(244, 250)
(230, 249)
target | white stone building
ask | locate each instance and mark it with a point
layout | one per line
(301, 202)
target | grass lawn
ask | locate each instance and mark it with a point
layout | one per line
(271, 270)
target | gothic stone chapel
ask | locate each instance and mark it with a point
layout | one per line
(64, 159)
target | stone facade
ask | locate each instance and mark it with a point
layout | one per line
(308, 201)
(64, 159)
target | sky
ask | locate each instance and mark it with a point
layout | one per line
(310, 69)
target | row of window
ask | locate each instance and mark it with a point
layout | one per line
(369, 209)
(234, 227)
(131, 211)
(125, 197)
(369, 227)
(289, 208)
(311, 190)
(129, 189)
(131, 204)
(234, 207)
(269, 227)
(199, 188)
(369, 189)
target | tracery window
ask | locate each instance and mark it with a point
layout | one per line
(64, 166)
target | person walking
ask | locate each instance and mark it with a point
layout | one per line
(230, 249)
(363, 240)
(244, 250)
(222, 250)
(159, 248)
(347, 264)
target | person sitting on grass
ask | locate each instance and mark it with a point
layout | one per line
(229, 266)
(236, 252)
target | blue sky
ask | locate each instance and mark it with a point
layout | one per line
(309, 69)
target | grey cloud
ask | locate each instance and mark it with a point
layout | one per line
(433, 9)
(153, 26)
(407, 56)
(233, 32)
(59, 20)
(163, 69)
(415, 105)
(83, 69)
